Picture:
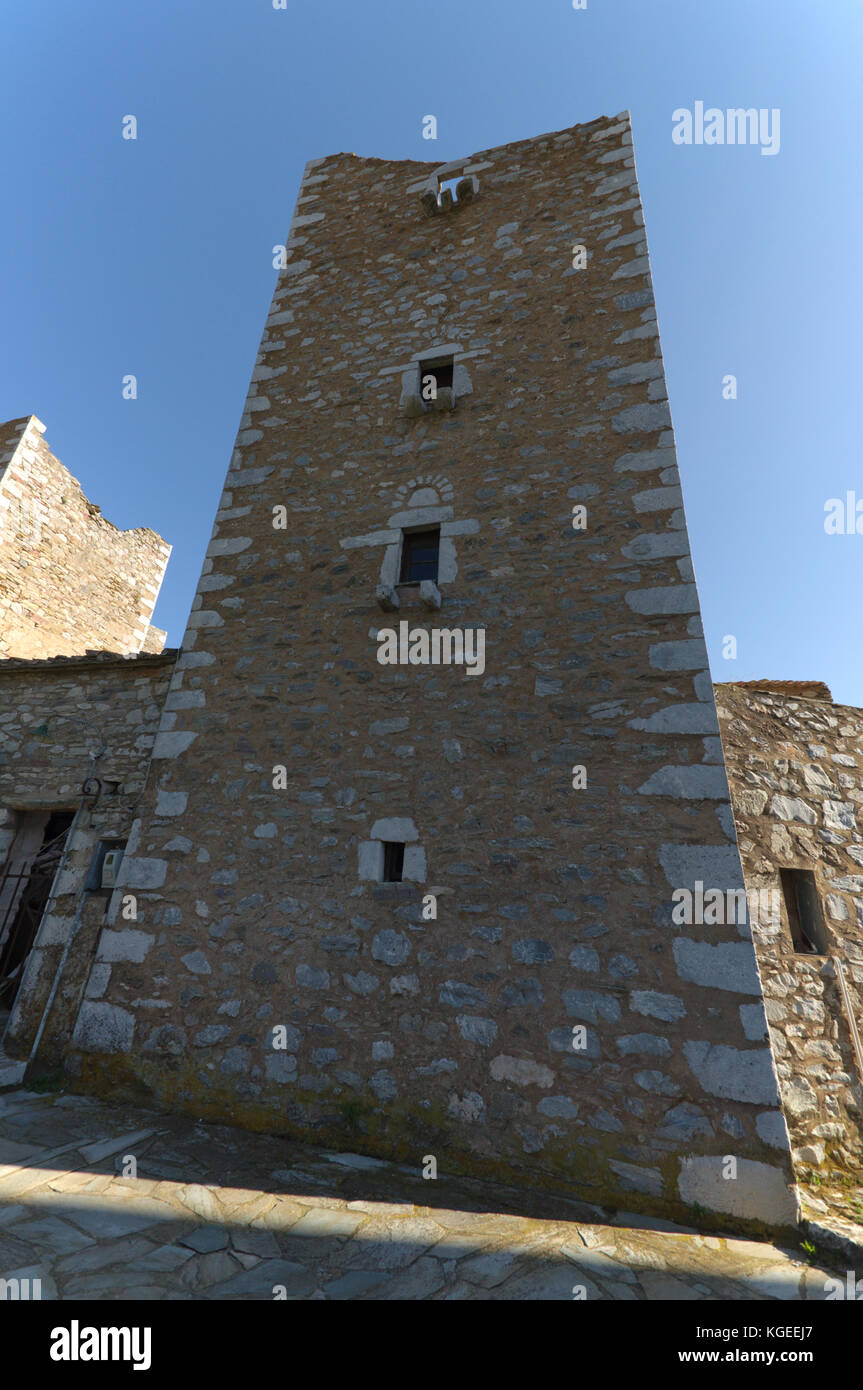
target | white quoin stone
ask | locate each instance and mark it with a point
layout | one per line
(759, 1191)
(671, 598)
(733, 1073)
(693, 781)
(679, 719)
(205, 617)
(754, 1022)
(657, 499)
(124, 945)
(773, 1130)
(657, 545)
(730, 965)
(716, 865)
(171, 745)
(103, 1028)
(679, 656)
(186, 699)
(142, 873)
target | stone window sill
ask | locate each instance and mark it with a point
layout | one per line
(395, 892)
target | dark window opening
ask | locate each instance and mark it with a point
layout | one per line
(394, 861)
(805, 919)
(435, 377)
(420, 553)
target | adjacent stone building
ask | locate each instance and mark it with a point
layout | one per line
(795, 762)
(83, 679)
(75, 741)
(439, 757)
(69, 580)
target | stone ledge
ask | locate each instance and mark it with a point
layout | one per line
(10, 666)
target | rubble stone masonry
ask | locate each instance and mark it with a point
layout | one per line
(795, 762)
(550, 1024)
(69, 580)
(62, 722)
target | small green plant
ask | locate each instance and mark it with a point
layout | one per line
(351, 1111)
(48, 1084)
(809, 1249)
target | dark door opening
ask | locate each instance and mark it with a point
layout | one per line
(24, 888)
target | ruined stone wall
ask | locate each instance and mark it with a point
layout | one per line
(287, 754)
(54, 715)
(70, 581)
(796, 770)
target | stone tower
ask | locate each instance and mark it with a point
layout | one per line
(441, 742)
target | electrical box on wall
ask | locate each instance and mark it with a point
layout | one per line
(104, 866)
(111, 867)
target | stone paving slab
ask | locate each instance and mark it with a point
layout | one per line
(216, 1213)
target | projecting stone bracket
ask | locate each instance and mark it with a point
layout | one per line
(387, 598)
(413, 404)
(444, 399)
(430, 596)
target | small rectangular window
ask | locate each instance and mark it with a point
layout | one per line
(805, 919)
(394, 860)
(420, 552)
(436, 376)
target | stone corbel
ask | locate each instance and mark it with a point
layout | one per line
(387, 598)
(444, 399)
(430, 596)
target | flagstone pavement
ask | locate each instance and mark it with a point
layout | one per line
(218, 1213)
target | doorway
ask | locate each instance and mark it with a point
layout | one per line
(25, 886)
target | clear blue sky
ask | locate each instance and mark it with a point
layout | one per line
(154, 257)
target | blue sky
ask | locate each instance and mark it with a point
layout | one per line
(154, 257)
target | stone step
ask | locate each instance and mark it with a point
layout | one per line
(11, 1071)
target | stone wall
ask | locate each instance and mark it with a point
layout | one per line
(54, 716)
(70, 581)
(795, 764)
(549, 1025)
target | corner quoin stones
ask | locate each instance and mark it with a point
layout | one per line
(454, 1036)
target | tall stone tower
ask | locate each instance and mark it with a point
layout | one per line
(441, 743)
